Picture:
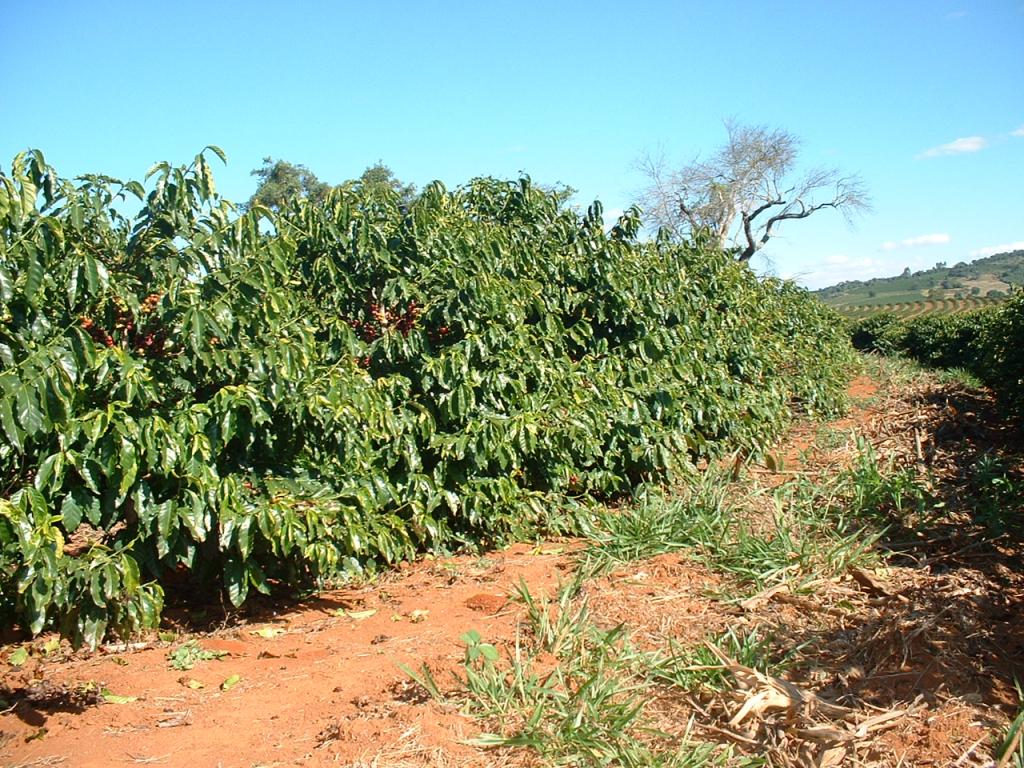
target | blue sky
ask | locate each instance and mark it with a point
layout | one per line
(924, 100)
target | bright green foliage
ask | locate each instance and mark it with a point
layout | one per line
(988, 343)
(945, 341)
(817, 530)
(1001, 346)
(590, 709)
(883, 333)
(999, 495)
(188, 654)
(194, 400)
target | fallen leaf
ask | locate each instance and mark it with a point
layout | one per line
(418, 615)
(195, 685)
(231, 682)
(832, 757)
(113, 698)
(123, 647)
(360, 615)
(826, 734)
(267, 632)
(18, 656)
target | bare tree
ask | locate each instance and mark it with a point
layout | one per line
(741, 195)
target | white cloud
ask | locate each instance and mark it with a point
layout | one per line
(837, 268)
(1018, 132)
(938, 238)
(957, 147)
(956, 14)
(994, 249)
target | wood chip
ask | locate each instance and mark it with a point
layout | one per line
(176, 719)
(870, 584)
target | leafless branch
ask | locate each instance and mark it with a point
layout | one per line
(741, 195)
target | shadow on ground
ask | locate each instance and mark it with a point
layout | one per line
(946, 620)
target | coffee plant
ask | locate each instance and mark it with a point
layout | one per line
(197, 400)
(988, 343)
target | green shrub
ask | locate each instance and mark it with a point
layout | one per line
(1001, 352)
(197, 399)
(945, 341)
(882, 333)
(987, 343)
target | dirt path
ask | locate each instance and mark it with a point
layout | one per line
(320, 683)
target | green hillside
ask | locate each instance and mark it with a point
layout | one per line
(941, 288)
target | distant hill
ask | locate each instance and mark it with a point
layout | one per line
(992, 277)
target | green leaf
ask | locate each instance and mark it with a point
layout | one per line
(230, 682)
(196, 517)
(71, 512)
(165, 518)
(77, 216)
(130, 574)
(359, 615)
(18, 656)
(257, 577)
(29, 415)
(34, 275)
(197, 328)
(217, 151)
(95, 274)
(236, 581)
(50, 469)
(96, 588)
(244, 538)
(38, 601)
(267, 632)
(113, 698)
(10, 427)
(129, 468)
(68, 362)
(6, 285)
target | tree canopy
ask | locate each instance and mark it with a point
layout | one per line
(281, 182)
(380, 176)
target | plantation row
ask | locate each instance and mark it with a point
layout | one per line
(197, 399)
(911, 309)
(988, 343)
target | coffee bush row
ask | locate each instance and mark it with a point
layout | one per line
(198, 400)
